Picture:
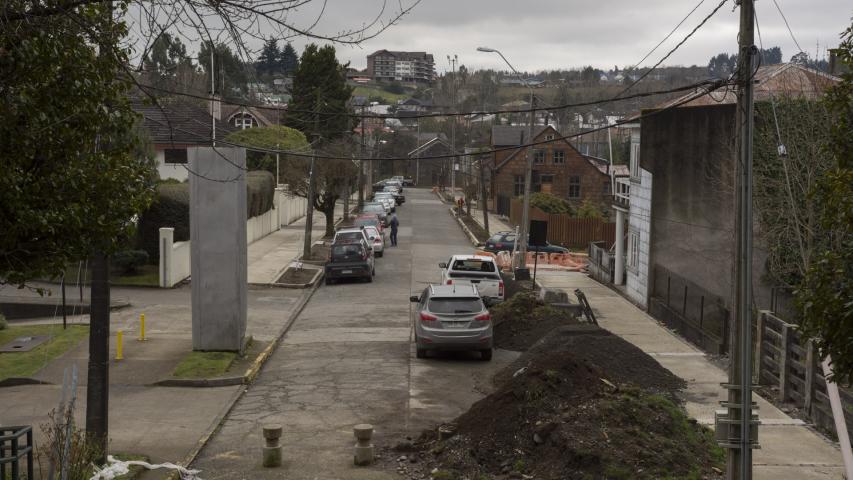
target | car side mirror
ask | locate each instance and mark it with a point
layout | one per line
(414, 299)
(442, 265)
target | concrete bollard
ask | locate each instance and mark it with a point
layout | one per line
(363, 448)
(272, 448)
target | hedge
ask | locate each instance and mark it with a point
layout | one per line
(171, 208)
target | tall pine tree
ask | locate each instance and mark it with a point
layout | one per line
(268, 59)
(288, 61)
(319, 85)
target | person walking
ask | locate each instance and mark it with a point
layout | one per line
(394, 223)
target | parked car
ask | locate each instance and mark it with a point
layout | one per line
(394, 183)
(479, 271)
(503, 242)
(377, 240)
(451, 317)
(369, 219)
(386, 198)
(378, 209)
(398, 196)
(352, 234)
(350, 260)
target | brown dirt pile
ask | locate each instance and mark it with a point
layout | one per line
(522, 320)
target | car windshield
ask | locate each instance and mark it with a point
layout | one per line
(474, 265)
(349, 236)
(455, 305)
(374, 208)
(346, 252)
(371, 231)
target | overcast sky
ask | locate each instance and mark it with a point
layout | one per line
(552, 34)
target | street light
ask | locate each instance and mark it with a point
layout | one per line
(528, 172)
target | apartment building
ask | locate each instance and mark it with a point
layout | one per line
(409, 67)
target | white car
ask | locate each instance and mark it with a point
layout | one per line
(479, 271)
(377, 240)
(387, 199)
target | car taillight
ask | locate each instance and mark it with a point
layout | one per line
(449, 282)
(483, 317)
(501, 289)
(426, 317)
(499, 245)
(377, 241)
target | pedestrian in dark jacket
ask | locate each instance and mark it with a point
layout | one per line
(394, 223)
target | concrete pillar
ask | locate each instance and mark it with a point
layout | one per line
(363, 454)
(218, 247)
(167, 239)
(272, 447)
(619, 269)
(278, 201)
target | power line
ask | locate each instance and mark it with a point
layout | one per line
(788, 26)
(669, 35)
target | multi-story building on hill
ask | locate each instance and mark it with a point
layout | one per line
(409, 67)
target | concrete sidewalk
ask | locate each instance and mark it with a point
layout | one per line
(496, 224)
(269, 256)
(790, 449)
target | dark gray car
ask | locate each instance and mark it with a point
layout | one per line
(452, 317)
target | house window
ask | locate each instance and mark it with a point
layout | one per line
(545, 183)
(549, 137)
(559, 157)
(175, 155)
(538, 156)
(633, 250)
(574, 186)
(243, 121)
(635, 161)
(518, 185)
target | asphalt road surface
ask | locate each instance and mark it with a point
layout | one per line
(349, 359)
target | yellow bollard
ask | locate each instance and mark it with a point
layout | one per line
(141, 327)
(119, 349)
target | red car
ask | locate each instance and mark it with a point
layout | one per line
(368, 219)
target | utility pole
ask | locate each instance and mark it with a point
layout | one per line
(739, 405)
(483, 200)
(309, 214)
(361, 165)
(455, 159)
(528, 175)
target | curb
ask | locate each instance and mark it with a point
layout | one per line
(199, 382)
(21, 381)
(310, 284)
(248, 377)
(465, 229)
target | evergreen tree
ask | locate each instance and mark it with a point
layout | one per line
(268, 59)
(319, 85)
(230, 70)
(288, 60)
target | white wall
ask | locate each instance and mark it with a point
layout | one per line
(290, 207)
(262, 225)
(174, 259)
(639, 220)
(171, 170)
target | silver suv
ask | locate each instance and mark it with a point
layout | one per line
(452, 317)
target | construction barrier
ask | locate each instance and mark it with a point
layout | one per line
(562, 261)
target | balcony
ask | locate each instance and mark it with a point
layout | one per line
(622, 195)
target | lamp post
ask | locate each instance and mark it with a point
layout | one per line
(528, 172)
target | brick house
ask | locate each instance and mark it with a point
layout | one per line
(558, 168)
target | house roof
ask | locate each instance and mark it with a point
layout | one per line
(770, 81)
(506, 135)
(229, 110)
(435, 142)
(179, 122)
(603, 166)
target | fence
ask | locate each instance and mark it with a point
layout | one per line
(785, 360)
(602, 263)
(694, 313)
(11, 451)
(568, 231)
(289, 206)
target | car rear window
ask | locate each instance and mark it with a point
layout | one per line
(455, 305)
(346, 252)
(374, 208)
(349, 236)
(474, 265)
(366, 221)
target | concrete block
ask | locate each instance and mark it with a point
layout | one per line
(218, 247)
(363, 451)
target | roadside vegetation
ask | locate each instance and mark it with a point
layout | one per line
(26, 364)
(204, 364)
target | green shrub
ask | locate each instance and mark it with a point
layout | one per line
(550, 203)
(260, 191)
(171, 208)
(3, 323)
(589, 210)
(128, 261)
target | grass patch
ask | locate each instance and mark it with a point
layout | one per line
(204, 364)
(145, 276)
(25, 364)
(371, 91)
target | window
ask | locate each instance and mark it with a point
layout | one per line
(633, 250)
(549, 137)
(518, 185)
(455, 305)
(559, 157)
(635, 161)
(243, 121)
(175, 155)
(539, 156)
(574, 186)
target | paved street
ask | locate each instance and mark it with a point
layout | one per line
(348, 359)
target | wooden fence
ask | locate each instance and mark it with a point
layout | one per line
(602, 263)
(567, 231)
(785, 360)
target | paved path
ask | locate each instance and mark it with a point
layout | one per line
(348, 359)
(790, 450)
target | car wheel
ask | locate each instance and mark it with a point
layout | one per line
(420, 353)
(373, 273)
(486, 355)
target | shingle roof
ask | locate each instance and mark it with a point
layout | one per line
(505, 135)
(178, 123)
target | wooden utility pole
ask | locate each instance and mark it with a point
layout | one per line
(309, 214)
(484, 201)
(361, 165)
(739, 405)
